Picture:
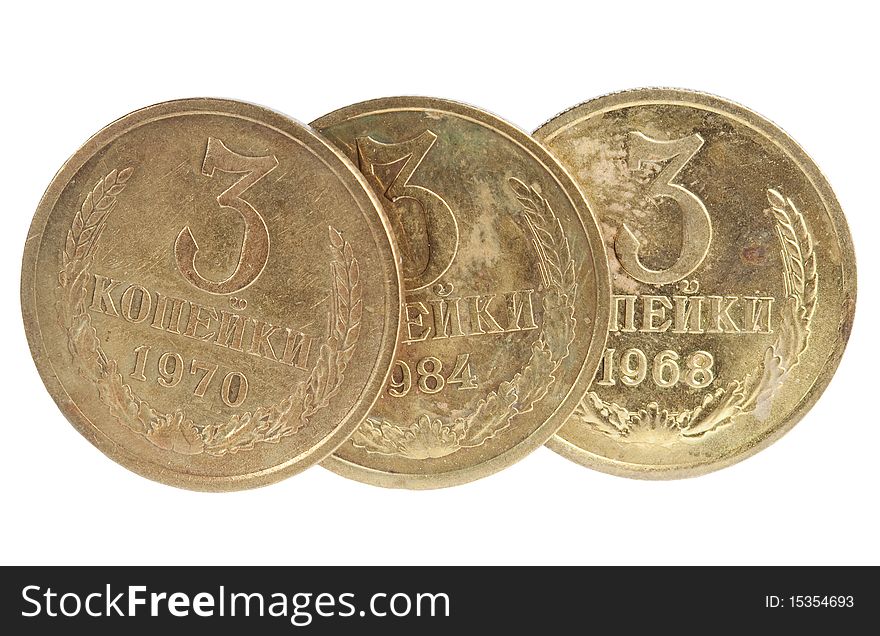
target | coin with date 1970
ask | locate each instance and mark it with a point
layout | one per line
(211, 294)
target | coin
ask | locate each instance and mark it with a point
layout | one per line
(210, 294)
(506, 289)
(733, 276)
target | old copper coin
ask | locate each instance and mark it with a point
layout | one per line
(506, 288)
(211, 294)
(733, 276)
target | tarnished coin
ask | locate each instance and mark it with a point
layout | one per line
(211, 295)
(506, 289)
(733, 276)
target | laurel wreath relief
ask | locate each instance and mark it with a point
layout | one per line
(753, 393)
(430, 436)
(175, 431)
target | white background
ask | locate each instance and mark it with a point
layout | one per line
(70, 69)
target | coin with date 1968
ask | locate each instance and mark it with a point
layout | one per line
(733, 277)
(211, 294)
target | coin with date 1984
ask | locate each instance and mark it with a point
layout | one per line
(506, 290)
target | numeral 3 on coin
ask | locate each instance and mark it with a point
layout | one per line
(695, 221)
(255, 243)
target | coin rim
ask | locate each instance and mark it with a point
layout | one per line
(563, 410)
(389, 260)
(776, 135)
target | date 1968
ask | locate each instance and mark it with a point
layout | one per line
(814, 600)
